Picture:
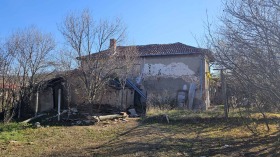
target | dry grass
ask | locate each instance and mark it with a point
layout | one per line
(59, 140)
(187, 134)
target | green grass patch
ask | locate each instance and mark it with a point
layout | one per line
(13, 131)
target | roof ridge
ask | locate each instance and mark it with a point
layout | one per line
(158, 45)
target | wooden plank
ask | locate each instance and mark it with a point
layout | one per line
(191, 95)
(108, 117)
(181, 98)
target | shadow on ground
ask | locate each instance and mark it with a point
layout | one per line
(184, 137)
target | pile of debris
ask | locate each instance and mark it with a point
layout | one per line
(73, 117)
(89, 120)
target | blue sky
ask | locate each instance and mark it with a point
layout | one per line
(148, 21)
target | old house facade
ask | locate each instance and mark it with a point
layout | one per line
(176, 70)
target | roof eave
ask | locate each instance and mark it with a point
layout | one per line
(171, 54)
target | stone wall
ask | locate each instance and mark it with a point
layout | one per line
(118, 98)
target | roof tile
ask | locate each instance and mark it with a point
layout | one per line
(156, 49)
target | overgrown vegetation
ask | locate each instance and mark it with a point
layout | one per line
(24, 58)
(246, 43)
(161, 101)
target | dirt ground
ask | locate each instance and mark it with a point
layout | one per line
(152, 136)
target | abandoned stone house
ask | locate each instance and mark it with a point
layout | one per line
(169, 72)
(176, 71)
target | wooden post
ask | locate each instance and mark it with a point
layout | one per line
(37, 103)
(58, 104)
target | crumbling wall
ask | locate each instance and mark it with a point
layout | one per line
(171, 73)
(118, 98)
(110, 96)
(46, 101)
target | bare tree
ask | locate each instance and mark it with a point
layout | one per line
(7, 86)
(247, 43)
(85, 36)
(126, 59)
(29, 49)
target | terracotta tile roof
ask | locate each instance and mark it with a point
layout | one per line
(167, 49)
(156, 50)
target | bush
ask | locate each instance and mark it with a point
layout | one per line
(162, 101)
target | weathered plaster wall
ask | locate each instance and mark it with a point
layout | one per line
(168, 74)
(184, 67)
(173, 70)
(114, 98)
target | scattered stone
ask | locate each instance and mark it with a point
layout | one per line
(30, 143)
(132, 113)
(79, 122)
(37, 125)
(124, 114)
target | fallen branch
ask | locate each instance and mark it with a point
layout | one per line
(30, 119)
